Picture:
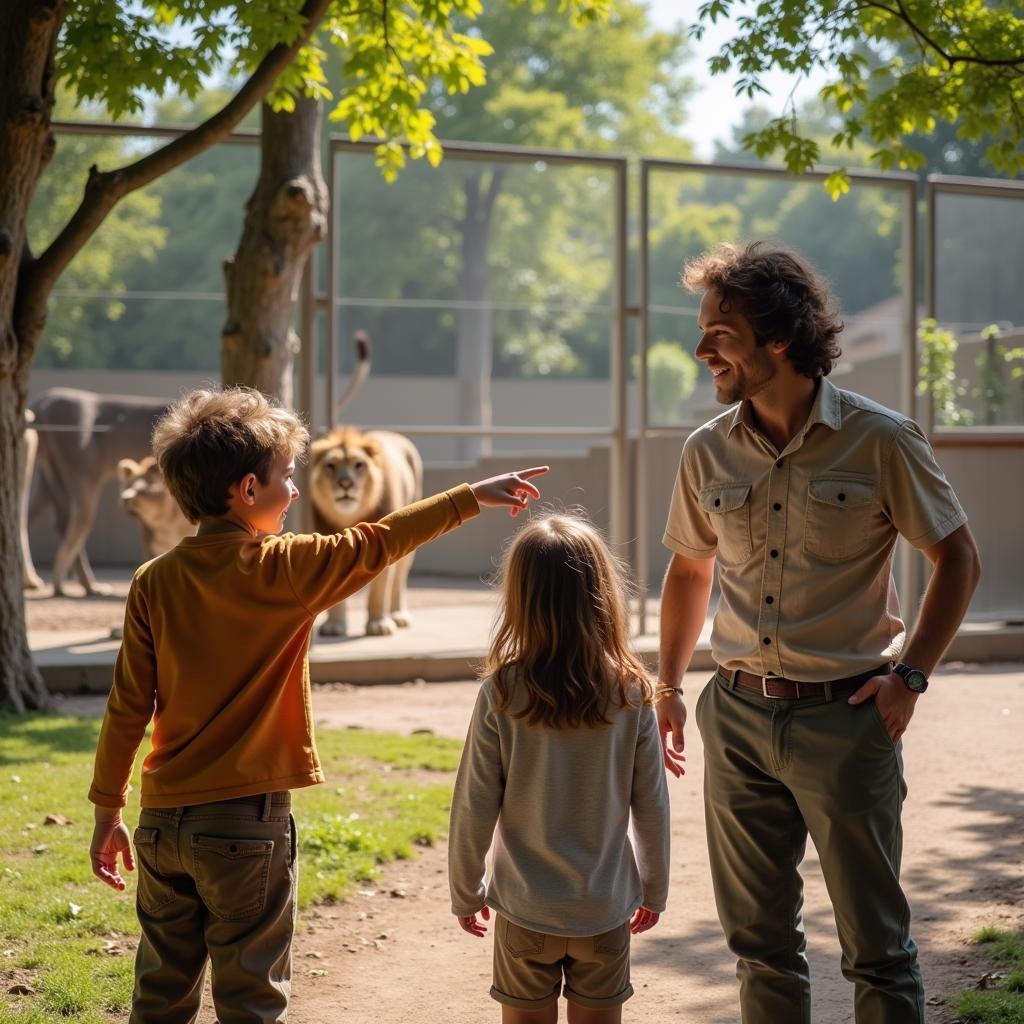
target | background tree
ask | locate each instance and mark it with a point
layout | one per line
(620, 86)
(949, 61)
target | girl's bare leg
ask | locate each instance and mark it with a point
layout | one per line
(549, 1015)
(588, 1015)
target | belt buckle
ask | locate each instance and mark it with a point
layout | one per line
(764, 688)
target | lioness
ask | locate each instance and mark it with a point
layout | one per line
(146, 499)
(81, 437)
(354, 478)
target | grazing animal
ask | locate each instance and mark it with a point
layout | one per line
(145, 497)
(81, 437)
(30, 579)
(359, 477)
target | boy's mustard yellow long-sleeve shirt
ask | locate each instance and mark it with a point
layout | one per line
(215, 652)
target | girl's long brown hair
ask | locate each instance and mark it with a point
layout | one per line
(563, 632)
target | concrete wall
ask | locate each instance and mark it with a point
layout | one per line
(988, 479)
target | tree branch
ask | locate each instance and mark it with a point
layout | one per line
(387, 39)
(900, 13)
(104, 190)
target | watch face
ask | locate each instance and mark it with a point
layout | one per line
(916, 681)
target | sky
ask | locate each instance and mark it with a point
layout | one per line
(715, 109)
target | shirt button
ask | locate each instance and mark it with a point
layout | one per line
(718, 501)
(842, 497)
(774, 553)
(769, 599)
(767, 641)
(777, 507)
(778, 464)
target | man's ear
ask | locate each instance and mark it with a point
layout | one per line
(779, 347)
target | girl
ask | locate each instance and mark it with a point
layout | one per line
(563, 745)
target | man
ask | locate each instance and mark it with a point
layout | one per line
(798, 495)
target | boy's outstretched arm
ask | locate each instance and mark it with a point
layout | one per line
(323, 569)
(512, 490)
(110, 838)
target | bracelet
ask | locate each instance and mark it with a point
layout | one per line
(664, 691)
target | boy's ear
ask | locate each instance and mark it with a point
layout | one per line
(247, 488)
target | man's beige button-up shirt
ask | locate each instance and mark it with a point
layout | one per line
(804, 538)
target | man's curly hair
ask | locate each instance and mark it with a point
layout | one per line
(779, 293)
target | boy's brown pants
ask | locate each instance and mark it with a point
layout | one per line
(215, 879)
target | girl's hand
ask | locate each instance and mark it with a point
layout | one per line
(470, 923)
(642, 920)
(511, 491)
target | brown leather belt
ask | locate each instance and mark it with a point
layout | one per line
(790, 689)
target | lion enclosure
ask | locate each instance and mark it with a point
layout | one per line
(526, 301)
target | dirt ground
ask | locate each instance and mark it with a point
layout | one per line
(399, 959)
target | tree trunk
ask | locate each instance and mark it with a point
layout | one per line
(285, 217)
(474, 353)
(28, 40)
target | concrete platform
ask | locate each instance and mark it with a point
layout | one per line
(446, 641)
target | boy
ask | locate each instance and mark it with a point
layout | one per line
(215, 652)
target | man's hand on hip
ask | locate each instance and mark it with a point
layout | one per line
(894, 701)
(672, 719)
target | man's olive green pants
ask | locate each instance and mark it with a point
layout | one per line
(776, 771)
(215, 880)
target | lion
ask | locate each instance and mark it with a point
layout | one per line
(145, 497)
(358, 477)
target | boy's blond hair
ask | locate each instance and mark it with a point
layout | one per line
(208, 440)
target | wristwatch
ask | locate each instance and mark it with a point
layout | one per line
(916, 681)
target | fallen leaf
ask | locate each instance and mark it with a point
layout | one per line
(316, 972)
(398, 894)
(315, 956)
(21, 990)
(990, 980)
(41, 848)
(57, 819)
(74, 909)
(15, 778)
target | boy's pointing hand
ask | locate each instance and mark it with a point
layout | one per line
(512, 491)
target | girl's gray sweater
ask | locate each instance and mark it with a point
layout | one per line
(557, 803)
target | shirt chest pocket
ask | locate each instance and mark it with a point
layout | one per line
(840, 515)
(728, 509)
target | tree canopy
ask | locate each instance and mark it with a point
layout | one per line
(959, 62)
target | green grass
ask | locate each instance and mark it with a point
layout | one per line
(1004, 1004)
(385, 795)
